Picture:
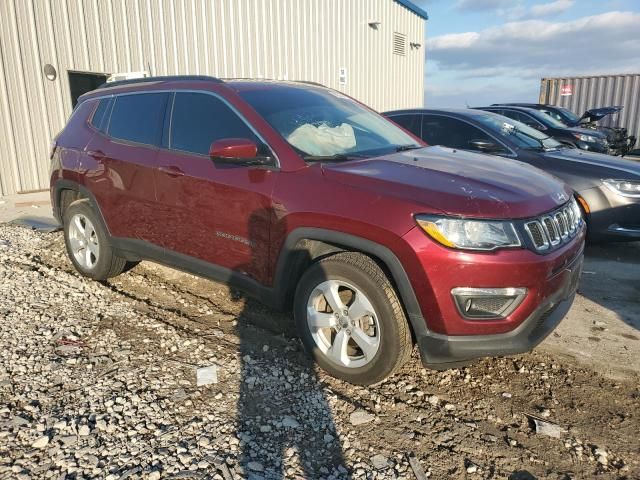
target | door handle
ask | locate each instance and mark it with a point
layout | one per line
(171, 170)
(97, 154)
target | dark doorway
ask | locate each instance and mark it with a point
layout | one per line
(82, 82)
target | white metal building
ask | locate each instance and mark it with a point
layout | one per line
(51, 51)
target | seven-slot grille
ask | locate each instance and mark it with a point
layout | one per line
(555, 228)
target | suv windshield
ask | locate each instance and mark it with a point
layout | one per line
(326, 125)
(519, 133)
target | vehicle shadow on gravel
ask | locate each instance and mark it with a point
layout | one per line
(287, 431)
(611, 278)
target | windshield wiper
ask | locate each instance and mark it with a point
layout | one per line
(404, 148)
(328, 158)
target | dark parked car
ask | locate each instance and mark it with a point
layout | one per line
(633, 154)
(582, 138)
(310, 201)
(620, 143)
(608, 188)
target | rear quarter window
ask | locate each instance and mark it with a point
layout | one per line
(100, 118)
(452, 132)
(138, 118)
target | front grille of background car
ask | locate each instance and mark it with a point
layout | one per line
(556, 228)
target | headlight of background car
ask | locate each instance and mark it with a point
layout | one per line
(588, 138)
(625, 188)
(469, 234)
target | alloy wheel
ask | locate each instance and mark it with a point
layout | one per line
(83, 241)
(343, 324)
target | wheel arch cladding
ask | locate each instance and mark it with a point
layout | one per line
(80, 192)
(305, 245)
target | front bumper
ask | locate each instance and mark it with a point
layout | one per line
(623, 146)
(443, 351)
(612, 217)
(446, 338)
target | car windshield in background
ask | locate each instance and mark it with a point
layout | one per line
(564, 116)
(519, 133)
(546, 119)
(572, 118)
(325, 125)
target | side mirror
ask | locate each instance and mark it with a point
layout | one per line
(485, 146)
(233, 150)
(240, 151)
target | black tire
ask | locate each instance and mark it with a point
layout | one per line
(107, 263)
(361, 271)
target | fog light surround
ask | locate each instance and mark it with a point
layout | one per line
(487, 303)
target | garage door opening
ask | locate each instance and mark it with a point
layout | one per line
(82, 82)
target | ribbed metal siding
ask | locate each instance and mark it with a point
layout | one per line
(598, 91)
(283, 39)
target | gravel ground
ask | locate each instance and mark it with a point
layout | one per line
(98, 380)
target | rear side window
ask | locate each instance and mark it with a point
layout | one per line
(444, 131)
(410, 122)
(200, 119)
(138, 118)
(452, 133)
(100, 119)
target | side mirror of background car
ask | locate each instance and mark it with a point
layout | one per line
(241, 151)
(485, 146)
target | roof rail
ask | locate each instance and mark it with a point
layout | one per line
(309, 82)
(204, 78)
(253, 79)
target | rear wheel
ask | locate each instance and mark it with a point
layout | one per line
(350, 319)
(87, 243)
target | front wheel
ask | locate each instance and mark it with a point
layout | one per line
(350, 319)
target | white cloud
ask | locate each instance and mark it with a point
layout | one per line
(514, 9)
(506, 63)
(606, 43)
(552, 8)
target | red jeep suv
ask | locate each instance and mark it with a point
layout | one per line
(310, 201)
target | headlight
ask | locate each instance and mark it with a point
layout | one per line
(589, 138)
(469, 234)
(625, 188)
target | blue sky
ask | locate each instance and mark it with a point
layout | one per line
(487, 51)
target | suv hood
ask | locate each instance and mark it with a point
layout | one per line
(595, 114)
(455, 182)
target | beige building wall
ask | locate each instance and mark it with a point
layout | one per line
(281, 39)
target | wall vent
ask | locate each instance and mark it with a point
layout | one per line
(399, 44)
